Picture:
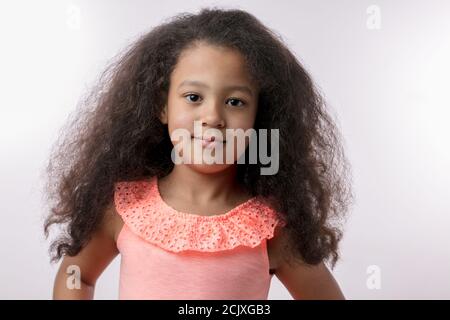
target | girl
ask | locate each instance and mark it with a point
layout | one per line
(200, 230)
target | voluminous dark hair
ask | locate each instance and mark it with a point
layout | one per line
(116, 135)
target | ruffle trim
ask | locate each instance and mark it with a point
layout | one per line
(143, 210)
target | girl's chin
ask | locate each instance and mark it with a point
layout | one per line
(208, 168)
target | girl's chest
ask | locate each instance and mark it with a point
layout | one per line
(211, 210)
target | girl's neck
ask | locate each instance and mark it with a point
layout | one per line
(201, 188)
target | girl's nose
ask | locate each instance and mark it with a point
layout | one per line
(212, 117)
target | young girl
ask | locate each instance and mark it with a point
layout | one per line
(200, 230)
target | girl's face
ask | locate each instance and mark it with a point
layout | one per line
(210, 85)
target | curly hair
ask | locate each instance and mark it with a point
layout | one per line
(115, 134)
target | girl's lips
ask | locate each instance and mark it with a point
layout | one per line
(208, 138)
(209, 142)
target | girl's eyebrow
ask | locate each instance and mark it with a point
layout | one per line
(201, 84)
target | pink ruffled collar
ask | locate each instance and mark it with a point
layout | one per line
(143, 210)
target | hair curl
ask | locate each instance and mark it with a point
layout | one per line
(116, 135)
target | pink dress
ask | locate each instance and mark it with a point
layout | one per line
(168, 254)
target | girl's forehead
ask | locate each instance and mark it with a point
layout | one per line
(209, 63)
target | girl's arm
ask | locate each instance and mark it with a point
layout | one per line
(304, 281)
(91, 261)
(309, 282)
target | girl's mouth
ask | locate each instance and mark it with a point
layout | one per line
(209, 142)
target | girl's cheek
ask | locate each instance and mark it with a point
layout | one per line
(180, 120)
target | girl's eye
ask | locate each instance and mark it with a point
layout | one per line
(237, 100)
(190, 95)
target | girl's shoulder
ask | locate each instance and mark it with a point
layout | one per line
(142, 209)
(275, 247)
(112, 222)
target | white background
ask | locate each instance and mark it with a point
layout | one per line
(388, 88)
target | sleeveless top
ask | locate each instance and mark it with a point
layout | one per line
(169, 254)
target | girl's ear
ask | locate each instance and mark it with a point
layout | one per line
(163, 115)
